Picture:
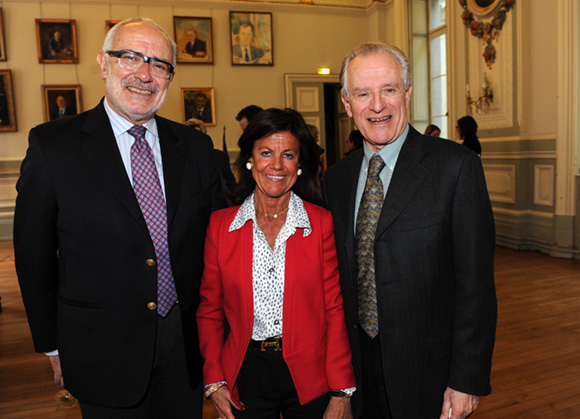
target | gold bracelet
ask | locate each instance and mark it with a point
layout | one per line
(212, 389)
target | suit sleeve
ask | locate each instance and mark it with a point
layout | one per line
(339, 370)
(210, 313)
(475, 299)
(36, 245)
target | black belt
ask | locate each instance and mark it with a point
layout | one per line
(270, 344)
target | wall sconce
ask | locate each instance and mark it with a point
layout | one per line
(323, 70)
(483, 102)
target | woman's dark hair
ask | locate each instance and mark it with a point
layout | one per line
(468, 132)
(467, 127)
(271, 121)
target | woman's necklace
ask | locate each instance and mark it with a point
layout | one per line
(265, 214)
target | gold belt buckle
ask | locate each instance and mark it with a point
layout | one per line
(276, 344)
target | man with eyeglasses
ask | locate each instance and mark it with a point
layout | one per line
(414, 234)
(109, 228)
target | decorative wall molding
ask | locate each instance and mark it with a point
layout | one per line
(544, 185)
(307, 99)
(517, 138)
(535, 230)
(519, 155)
(486, 31)
(9, 173)
(501, 182)
(501, 111)
(503, 213)
(320, 6)
(313, 120)
(291, 79)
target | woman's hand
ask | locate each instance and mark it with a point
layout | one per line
(222, 401)
(338, 408)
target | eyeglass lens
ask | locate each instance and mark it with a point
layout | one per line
(133, 61)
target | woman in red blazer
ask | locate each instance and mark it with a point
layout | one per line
(271, 275)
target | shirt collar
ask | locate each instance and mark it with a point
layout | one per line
(120, 125)
(390, 152)
(297, 216)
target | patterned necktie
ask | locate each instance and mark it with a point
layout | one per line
(366, 225)
(152, 202)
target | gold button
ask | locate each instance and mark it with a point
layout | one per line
(152, 305)
(150, 262)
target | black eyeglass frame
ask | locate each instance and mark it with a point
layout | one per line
(146, 59)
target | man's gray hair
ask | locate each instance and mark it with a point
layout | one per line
(108, 44)
(373, 48)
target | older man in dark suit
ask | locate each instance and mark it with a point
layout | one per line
(109, 228)
(415, 240)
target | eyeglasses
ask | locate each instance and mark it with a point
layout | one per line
(132, 60)
(389, 92)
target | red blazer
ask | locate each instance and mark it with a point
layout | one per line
(316, 347)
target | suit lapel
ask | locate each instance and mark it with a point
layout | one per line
(100, 147)
(348, 184)
(173, 166)
(408, 175)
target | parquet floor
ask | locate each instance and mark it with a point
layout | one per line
(536, 367)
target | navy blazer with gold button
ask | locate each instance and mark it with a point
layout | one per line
(84, 255)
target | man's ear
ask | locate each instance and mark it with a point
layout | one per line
(346, 105)
(102, 61)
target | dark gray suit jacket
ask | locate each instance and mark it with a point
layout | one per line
(82, 246)
(434, 252)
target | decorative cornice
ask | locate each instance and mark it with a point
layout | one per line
(346, 6)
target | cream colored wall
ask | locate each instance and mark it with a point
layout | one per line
(305, 38)
(543, 63)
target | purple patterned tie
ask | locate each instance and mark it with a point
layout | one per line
(152, 202)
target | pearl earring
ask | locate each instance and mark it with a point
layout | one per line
(249, 165)
(299, 172)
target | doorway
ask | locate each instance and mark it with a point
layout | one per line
(317, 98)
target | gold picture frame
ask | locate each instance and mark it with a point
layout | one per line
(251, 38)
(60, 101)
(109, 24)
(2, 41)
(7, 108)
(192, 106)
(56, 40)
(194, 39)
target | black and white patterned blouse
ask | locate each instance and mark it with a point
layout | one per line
(269, 265)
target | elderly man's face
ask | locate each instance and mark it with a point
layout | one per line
(246, 35)
(190, 35)
(377, 101)
(136, 95)
(61, 102)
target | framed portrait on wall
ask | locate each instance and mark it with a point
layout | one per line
(194, 39)
(7, 108)
(198, 103)
(251, 38)
(57, 41)
(2, 41)
(60, 101)
(109, 24)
